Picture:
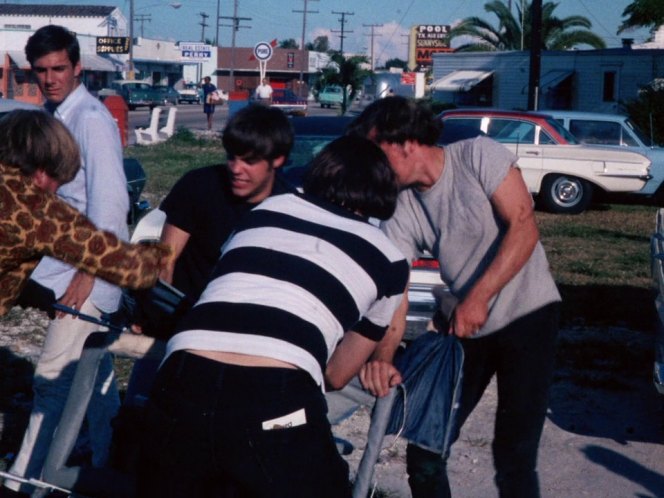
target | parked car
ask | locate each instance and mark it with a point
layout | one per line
(558, 171)
(331, 95)
(190, 94)
(617, 130)
(135, 93)
(288, 102)
(164, 95)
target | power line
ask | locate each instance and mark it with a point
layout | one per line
(372, 35)
(203, 24)
(235, 28)
(342, 32)
(304, 13)
(142, 18)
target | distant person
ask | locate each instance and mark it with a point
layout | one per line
(208, 107)
(99, 190)
(302, 293)
(37, 155)
(467, 204)
(264, 92)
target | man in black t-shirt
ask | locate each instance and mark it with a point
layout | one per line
(205, 205)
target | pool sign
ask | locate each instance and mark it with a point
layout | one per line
(263, 51)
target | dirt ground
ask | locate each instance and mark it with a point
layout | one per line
(604, 434)
(603, 437)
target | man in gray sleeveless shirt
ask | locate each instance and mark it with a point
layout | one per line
(468, 206)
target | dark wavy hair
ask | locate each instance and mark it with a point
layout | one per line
(354, 173)
(258, 132)
(33, 140)
(396, 120)
(52, 38)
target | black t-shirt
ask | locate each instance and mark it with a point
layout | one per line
(202, 204)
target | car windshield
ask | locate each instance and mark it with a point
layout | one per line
(571, 139)
(639, 132)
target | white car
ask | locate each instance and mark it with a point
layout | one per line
(9, 105)
(559, 172)
(189, 93)
(616, 130)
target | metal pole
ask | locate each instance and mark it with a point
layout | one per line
(216, 36)
(131, 40)
(235, 28)
(535, 54)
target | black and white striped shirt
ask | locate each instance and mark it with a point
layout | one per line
(297, 274)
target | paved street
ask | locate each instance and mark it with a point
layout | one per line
(191, 116)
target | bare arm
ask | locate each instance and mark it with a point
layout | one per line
(349, 356)
(379, 374)
(514, 206)
(177, 239)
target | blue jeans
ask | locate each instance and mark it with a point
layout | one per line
(204, 434)
(522, 356)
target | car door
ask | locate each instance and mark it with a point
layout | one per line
(522, 138)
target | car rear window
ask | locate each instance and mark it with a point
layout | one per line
(601, 132)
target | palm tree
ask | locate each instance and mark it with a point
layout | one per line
(513, 32)
(643, 14)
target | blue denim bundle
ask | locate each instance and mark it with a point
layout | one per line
(424, 410)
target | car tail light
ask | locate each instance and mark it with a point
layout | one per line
(426, 264)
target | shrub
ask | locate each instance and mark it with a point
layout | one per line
(645, 110)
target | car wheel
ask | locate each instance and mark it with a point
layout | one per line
(565, 194)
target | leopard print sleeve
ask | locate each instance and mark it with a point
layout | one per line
(64, 233)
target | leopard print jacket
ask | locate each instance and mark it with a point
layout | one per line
(34, 223)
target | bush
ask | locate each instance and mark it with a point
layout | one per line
(645, 110)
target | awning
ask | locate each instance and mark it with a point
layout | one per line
(94, 62)
(550, 80)
(460, 81)
(19, 58)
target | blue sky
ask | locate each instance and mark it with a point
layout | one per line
(275, 19)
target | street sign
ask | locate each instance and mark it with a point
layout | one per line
(263, 51)
(195, 51)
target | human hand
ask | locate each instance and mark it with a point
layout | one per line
(469, 316)
(77, 292)
(378, 377)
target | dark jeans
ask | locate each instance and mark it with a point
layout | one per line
(204, 435)
(522, 356)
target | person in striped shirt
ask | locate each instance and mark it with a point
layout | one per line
(302, 293)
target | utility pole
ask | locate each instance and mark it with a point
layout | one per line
(203, 24)
(142, 18)
(535, 55)
(216, 35)
(235, 26)
(131, 40)
(342, 31)
(303, 63)
(372, 35)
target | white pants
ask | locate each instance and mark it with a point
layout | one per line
(53, 377)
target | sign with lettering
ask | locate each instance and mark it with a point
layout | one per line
(196, 51)
(113, 44)
(263, 51)
(427, 39)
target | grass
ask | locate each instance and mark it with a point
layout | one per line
(600, 258)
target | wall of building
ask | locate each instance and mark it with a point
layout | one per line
(633, 68)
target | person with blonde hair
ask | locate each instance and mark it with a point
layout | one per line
(37, 155)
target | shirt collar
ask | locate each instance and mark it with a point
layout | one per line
(70, 102)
